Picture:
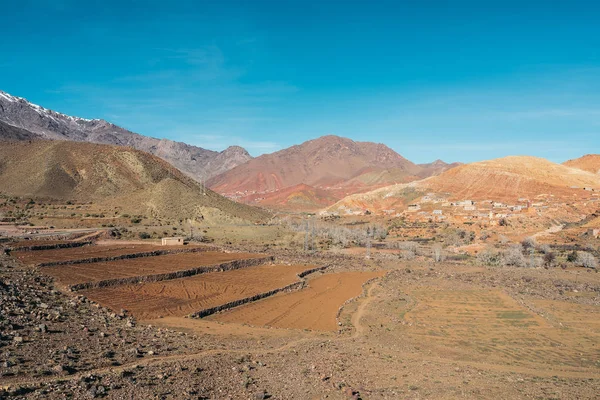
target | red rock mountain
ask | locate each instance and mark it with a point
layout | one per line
(336, 165)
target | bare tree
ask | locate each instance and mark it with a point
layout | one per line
(489, 257)
(587, 260)
(514, 256)
(438, 253)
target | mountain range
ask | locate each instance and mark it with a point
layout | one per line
(318, 171)
(40, 122)
(329, 171)
(307, 176)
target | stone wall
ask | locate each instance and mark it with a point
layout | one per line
(128, 256)
(227, 266)
(291, 287)
(48, 246)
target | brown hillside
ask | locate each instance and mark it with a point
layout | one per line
(327, 163)
(504, 179)
(509, 178)
(299, 197)
(589, 162)
(133, 180)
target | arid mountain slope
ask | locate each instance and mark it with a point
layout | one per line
(195, 161)
(504, 179)
(129, 179)
(299, 198)
(328, 163)
(12, 133)
(589, 162)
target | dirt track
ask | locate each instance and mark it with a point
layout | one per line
(314, 307)
(94, 272)
(184, 296)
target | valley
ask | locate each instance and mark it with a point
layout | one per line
(333, 269)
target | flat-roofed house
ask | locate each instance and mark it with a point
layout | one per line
(172, 241)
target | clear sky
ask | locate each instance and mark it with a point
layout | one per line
(456, 80)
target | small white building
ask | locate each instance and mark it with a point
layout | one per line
(172, 241)
(414, 207)
(437, 212)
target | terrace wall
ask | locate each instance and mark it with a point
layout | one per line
(128, 256)
(226, 266)
(48, 246)
(223, 307)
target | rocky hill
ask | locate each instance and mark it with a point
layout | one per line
(503, 179)
(589, 162)
(12, 133)
(132, 180)
(332, 166)
(196, 162)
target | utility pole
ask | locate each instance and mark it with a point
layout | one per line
(314, 247)
(306, 237)
(368, 255)
(531, 258)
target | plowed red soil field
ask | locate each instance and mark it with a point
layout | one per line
(314, 307)
(184, 296)
(78, 253)
(95, 272)
(29, 243)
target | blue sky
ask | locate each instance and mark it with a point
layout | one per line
(456, 80)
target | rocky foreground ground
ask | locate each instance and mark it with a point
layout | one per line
(59, 345)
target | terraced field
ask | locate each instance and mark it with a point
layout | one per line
(33, 243)
(130, 268)
(180, 297)
(314, 307)
(489, 326)
(91, 251)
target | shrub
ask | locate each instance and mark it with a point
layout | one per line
(514, 256)
(529, 243)
(587, 260)
(136, 220)
(572, 257)
(549, 258)
(544, 248)
(489, 257)
(144, 235)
